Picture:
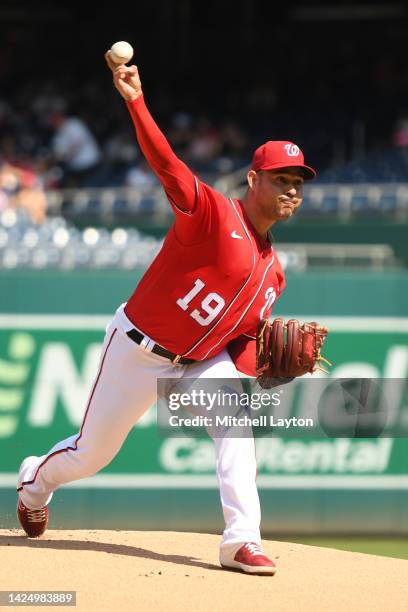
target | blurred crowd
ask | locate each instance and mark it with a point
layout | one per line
(62, 124)
(52, 145)
(49, 148)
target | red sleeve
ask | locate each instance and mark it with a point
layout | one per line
(177, 180)
(281, 279)
(242, 351)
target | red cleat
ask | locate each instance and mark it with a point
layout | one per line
(34, 522)
(251, 559)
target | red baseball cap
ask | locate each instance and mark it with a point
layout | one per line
(275, 154)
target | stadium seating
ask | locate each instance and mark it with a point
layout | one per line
(59, 244)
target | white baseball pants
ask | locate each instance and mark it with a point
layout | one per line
(124, 388)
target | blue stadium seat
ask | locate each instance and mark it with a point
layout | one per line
(359, 202)
(388, 202)
(330, 203)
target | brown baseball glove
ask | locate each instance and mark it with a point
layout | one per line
(284, 351)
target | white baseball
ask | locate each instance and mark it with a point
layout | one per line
(121, 52)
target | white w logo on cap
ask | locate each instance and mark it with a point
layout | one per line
(292, 150)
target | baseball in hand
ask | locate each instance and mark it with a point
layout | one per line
(121, 52)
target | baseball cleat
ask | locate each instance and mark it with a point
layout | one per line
(251, 559)
(34, 522)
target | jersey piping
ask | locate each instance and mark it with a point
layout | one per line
(237, 295)
(239, 292)
(245, 311)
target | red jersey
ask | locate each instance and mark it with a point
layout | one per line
(214, 277)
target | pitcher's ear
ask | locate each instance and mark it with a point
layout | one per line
(252, 178)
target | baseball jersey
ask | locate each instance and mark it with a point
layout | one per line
(215, 277)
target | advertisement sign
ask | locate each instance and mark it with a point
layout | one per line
(47, 368)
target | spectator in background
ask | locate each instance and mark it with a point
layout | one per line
(74, 145)
(20, 188)
(181, 131)
(400, 136)
(140, 176)
(120, 150)
(49, 174)
(205, 145)
(120, 155)
(234, 144)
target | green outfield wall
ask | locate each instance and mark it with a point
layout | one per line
(320, 292)
(51, 329)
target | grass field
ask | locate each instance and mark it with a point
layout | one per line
(387, 547)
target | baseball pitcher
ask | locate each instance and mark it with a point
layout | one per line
(201, 310)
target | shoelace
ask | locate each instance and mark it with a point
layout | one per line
(36, 516)
(254, 549)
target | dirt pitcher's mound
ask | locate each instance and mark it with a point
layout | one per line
(139, 570)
